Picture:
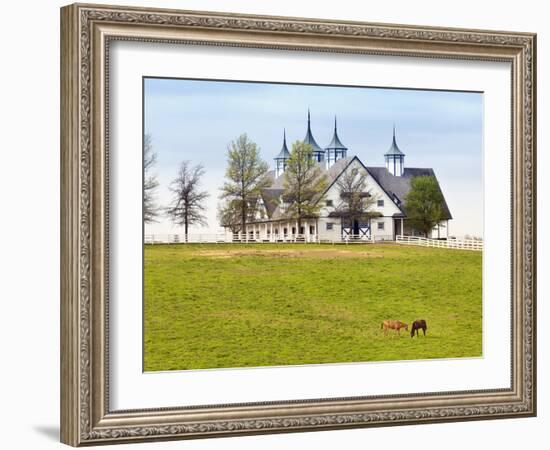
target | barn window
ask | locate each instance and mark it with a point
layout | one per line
(380, 203)
(380, 225)
(329, 225)
(329, 203)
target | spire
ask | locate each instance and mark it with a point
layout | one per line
(394, 149)
(309, 139)
(395, 158)
(282, 157)
(284, 153)
(336, 143)
(335, 150)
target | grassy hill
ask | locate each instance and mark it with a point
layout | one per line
(245, 305)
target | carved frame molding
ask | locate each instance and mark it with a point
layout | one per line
(86, 32)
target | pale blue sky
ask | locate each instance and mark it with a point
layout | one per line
(195, 120)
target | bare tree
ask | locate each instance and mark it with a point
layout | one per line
(150, 183)
(355, 200)
(304, 184)
(187, 207)
(246, 176)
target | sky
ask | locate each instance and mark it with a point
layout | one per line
(195, 120)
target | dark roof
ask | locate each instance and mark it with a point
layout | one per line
(395, 187)
(332, 173)
(335, 144)
(309, 139)
(284, 153)
(271, 200)
(272, 194)
(400, 186)
(394, 149)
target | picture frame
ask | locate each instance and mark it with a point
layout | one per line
(87, 32)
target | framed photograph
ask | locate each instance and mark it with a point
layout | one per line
(276, 224)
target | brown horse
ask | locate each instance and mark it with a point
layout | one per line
(417, 324)
(393, 325)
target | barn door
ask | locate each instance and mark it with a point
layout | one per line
(356, 229)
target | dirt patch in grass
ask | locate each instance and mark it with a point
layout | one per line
(278, 253)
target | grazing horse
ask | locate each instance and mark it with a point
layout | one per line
(393, 325)
(417, 324)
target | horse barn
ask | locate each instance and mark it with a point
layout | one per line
(388, 186)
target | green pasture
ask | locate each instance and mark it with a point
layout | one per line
(245, 305)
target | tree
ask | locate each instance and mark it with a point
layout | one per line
(150, 183)
(304, 184)
(424, 204)
(229, 216)
(187, 207)
(356, 201)
(246, 176)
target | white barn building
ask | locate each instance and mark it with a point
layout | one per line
(387, 185)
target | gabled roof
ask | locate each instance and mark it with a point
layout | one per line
(309, 139)
(271, 195)
(335, 144)
(395, 187)
(400, 186)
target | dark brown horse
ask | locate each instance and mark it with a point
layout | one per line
(417, 324)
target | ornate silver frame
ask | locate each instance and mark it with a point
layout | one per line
(86, 31)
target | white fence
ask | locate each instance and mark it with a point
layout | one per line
(180, 238)
(227, 238)
(462, 244)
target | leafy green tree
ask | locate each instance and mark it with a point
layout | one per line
(246, 176)
(188, 201)
(424, 204)
(150, 183)
(304, 184)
